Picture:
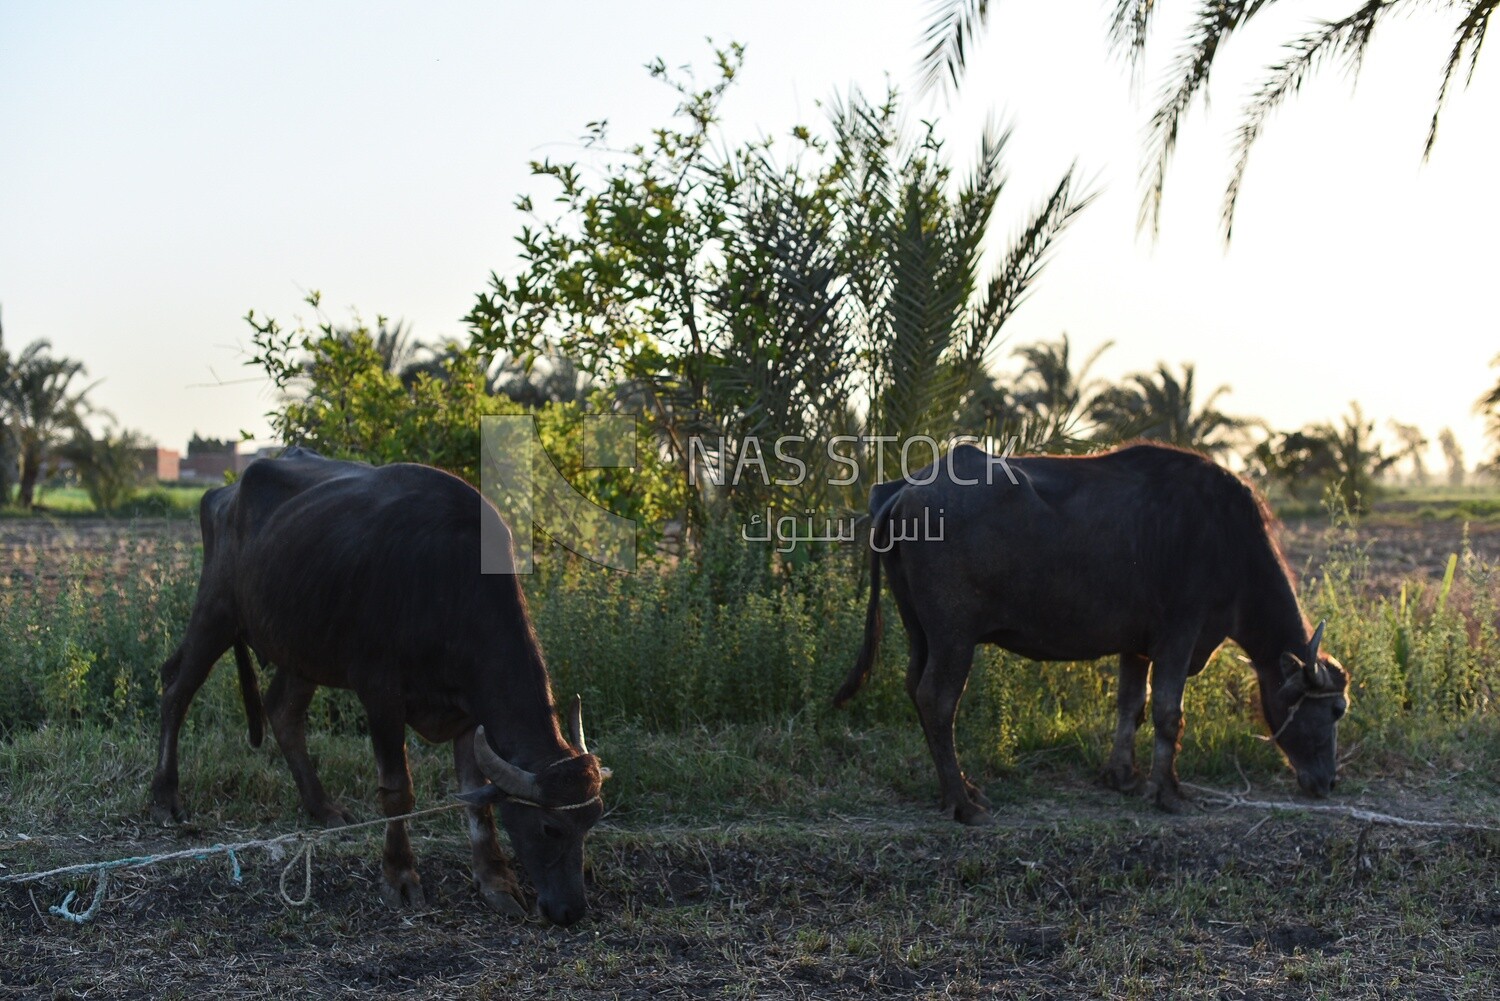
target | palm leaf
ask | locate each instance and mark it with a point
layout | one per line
(1213, 22)
(949, 37)
(1470, 36)
(1348, 37)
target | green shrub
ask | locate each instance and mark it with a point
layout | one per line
(731, 640)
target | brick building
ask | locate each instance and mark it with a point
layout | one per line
(163, 465)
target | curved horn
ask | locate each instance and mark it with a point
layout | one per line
(506, 776)
(1312, 645)
(575, 725)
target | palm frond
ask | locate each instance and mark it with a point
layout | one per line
(1470, 36)
(1028, 255)
(1348, 37)
(949, 38)
(1214, 21)
(1128, 29)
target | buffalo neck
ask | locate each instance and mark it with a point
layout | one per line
(1270, 621)
(514, 698)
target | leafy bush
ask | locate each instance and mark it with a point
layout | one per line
(729, 640)
(91, 649)
(109, 466)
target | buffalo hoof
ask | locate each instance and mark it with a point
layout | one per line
(1167, 797)
(168, 811)
(497, 887)
(404, 892)
(332, 814)
(506, 902)
(1121, 777)
(971, 815)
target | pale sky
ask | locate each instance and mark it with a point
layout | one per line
(164, 167)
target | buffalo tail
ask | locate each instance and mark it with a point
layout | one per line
(255, 714)
(873, 621)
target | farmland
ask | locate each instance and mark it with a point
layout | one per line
(757, 843)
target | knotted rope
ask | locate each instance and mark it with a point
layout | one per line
(304, 853)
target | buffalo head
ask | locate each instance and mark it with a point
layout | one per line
(1305, 712)
(547, 814)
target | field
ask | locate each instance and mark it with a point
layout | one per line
(757, 843)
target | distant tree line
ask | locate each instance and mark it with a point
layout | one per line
(43, 408)
(830, 283)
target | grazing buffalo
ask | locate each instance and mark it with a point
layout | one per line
(368, 578)
(1148, 552)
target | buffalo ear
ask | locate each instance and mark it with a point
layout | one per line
(1293, 690)
(483, 796)
(1290, 665)
(605, 773)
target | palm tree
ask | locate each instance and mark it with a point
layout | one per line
(554, 378)
(1488, 406)
(955, 24)
(41, 405)
(738, 296)
(7, 441)
(399, 352)
(1360, 460)
(1157, 406)
(109, 466)
(1453, 454)
(1053, 401)
(1342, 459)
(929, 318)
(1413, 444)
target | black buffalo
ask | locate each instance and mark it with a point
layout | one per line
(1152, 553)
(368, 578)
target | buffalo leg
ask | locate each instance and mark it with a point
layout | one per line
(937, 698)
(1168, 678)
(286, 704)
(402, 887)
(916, 665)
(492, 874)
(208, 637)
(1120, 771)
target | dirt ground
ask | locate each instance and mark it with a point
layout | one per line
(1084, 895)
(1396, 549)
(45, 552)
(1077, 894)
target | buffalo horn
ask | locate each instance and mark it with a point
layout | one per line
(1312, 646)
(506, 776)
(575, 725)
(1314, 673)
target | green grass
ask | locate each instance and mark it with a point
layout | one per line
(1406, 503)
(784, 872)
(675, 650)
(757, 842)
(164, 500)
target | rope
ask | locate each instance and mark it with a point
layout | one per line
(305, 852)
(1233, 801)
(62, 910)
(304, 839)
(1293, 712)
(543, 806)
